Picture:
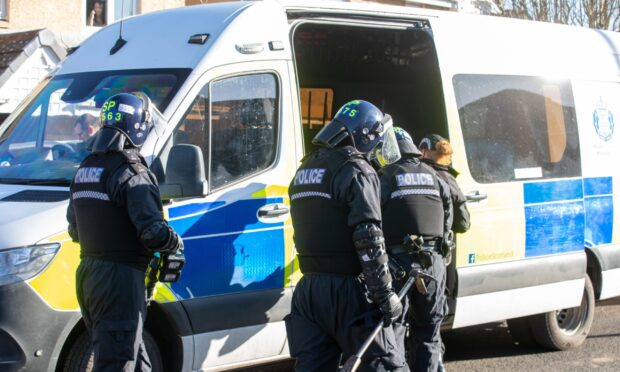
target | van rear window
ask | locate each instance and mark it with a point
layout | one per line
(518, 127)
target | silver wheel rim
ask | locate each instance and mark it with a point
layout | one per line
(571, 320)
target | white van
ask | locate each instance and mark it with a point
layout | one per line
(528, 107)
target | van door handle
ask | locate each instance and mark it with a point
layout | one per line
(475, 196)
(273, 210)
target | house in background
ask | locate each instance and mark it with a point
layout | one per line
(25, 59)
(36, 34)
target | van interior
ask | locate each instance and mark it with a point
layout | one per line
(395, 68)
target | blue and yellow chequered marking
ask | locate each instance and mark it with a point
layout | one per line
(564, 216)
(598, 199)
(551, 217)
(229, 250)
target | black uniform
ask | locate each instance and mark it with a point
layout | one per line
(416, 201)
(461, 220)
(334, 191)
(115, 212)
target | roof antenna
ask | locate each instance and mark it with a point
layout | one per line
(120, 42)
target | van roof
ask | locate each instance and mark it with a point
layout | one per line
(154, 40)
(160, 39)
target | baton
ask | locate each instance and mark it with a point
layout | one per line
(354, 361)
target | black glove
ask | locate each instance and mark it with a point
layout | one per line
(390, 307)
(180, 245)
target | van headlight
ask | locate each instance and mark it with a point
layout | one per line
(17, 264)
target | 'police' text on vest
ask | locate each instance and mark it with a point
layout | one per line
(88, 175)
(414, 179)
(310, 176)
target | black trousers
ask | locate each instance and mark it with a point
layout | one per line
(424, 312)
(112, 299)
(331, 318)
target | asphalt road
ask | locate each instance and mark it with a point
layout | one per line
(491, 348)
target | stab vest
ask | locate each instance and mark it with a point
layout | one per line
(323, 239)
(104, 227)
(414, 205)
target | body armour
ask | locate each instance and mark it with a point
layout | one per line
(104, 227)
(323, 239)
(414, 204)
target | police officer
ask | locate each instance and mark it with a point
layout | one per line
(416, 203)
(437, 152)
(115, 213)
(336, 213)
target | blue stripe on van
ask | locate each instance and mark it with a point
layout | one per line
(237, 216)
(554, 217)
(597, 186)
(599, 220)
(554, 228)
(239, 253)
(541, 192)
(599, 210)
(193, 208)
(558, 222)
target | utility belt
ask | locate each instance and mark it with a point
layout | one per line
(427, 246)
(421, 249)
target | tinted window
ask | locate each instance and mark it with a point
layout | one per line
(242, 139)
(517, 127)
(243, 119)
(194, 128)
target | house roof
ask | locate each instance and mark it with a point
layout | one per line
(16, 47)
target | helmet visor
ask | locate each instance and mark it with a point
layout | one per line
(386, 151)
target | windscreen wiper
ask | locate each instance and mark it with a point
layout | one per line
(42, 182)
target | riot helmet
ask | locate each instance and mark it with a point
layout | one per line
(368, 129)
(126, 120)
(405, 143)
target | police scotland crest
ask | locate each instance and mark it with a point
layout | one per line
(603, 120)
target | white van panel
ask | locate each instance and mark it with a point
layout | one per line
(228, 348)
(610, 284)
(496, 306)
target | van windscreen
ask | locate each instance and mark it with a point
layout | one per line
(45, 140)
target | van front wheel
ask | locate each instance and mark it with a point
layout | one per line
(80, 357)
(566, 328)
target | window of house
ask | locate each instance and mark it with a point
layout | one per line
(518, 127)
(235, 122)
(100, 13)
(3, 11)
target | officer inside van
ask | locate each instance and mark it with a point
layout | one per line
(336, 213)
(417, 216)
(115, 213)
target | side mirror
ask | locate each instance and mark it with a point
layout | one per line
(185, 173)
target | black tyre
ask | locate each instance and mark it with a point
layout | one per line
(521, 331)
(80, 357)
(567, 328)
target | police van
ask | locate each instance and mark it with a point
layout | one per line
(241, 89)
